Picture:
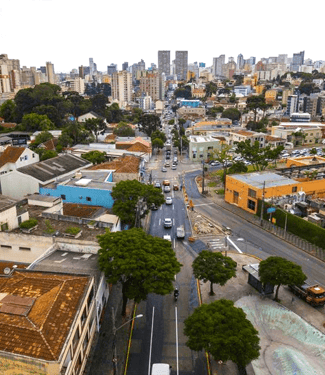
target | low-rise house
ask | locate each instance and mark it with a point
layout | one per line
(244, 135)
(90, 115)
(87, 187)
(138, 144)
(274, 141)
(202, 148)
(206, 127)
(300, 133)
(191, 112)
(28, 179)
(16, 157)
(127, 167)
(5, 142)
(11, 214)
(48, 321)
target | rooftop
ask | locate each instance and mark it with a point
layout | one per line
(11, 155)
(6, 202)
(125, 164)
(257, 179)
(53, 168)
(37, 311)
(202, 139)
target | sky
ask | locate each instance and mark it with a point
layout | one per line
(68, 32)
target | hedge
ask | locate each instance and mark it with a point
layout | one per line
(28, 224)
(295, 225)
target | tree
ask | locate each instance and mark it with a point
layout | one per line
(223, 157)
(213, 267)
(238, 167)
(313, 151)
(113, 113)
(142, 263)
(232, 113)
(41, 138)
(181, 121)
(64, 140)
(223, 330)
(98, 104)
(158, 134)
(183, 92)
(51, 112)
(157, 143)
(254, 153)
(124, 130)
(149, 123)
(280, 271)
(171, 122)
(8, 111)
(127, 194)
(34, 122)
(95, 125)
(254, 103)
(46, 154)
(95, 157)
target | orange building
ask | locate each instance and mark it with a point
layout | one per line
(244, 190)
(270, 96)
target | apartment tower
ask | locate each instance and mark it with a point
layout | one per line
(181, 65)
(164, 62)
(50, 72)
(122, 87)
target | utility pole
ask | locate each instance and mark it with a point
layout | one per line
(203, 177)
(262, 208)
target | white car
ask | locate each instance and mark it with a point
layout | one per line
(169, 200)
(167, 189)
(168, 223)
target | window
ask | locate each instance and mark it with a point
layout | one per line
(201, 156)
(76, 339)
(6, 246)
(210, 148)
(24, 248)
(33, 155)
(251, 193)
(294, 189)
(63, 196)
(194, 156)
(26, 157)
(251, 204)
(235, 197)
(83, 317)
(90, 298)
(88, 199)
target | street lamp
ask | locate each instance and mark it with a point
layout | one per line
(114, 333)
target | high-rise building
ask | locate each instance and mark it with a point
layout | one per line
(292, 104)
(151, 84)
(91, 66)
(81, 71)
(50, 72)
(111, 69)
(139, 67)
(297, 60)
(164, 62)
(240, 61)
(282, 59)
(122, 87)
(4, 79)
(218, 62)
(125, 65)
(181, 65)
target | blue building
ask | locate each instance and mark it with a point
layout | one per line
(88, 187)
(190, 103)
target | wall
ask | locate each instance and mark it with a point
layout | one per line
(17, 185)
(37, 245)
(74, 194)
(126, 176)
(10, 217)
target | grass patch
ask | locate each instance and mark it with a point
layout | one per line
(49, 229)
(220, 191)
(73, 230)
(28, 224)
(212, 184)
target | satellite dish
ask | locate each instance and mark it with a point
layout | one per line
(6, 271)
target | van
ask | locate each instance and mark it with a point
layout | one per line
(160, 369)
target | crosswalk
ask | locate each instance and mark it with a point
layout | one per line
(216, 244)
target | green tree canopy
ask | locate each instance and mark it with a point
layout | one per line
(98, 104)
(34, 122)
(142, 263)
(41, 138)
(157, 143)
(183, 92)
(223, 157)
(126, 195)
(280, 271)
(159, 134)
(223, 330)
(213, 267)
(8, 111)
(95, 125)
(254, 103)
(46, 154)
(254, 153)
(95, 157)
(149, 123)
(113, 113)
(124, 130)
(231, 113)
(51, 112)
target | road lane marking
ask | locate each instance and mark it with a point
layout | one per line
(173, 206)
(159, 221)
(234, 245)
(173, 221)
(177, 369)
(204, 204)
(174, 243)
(151, 335)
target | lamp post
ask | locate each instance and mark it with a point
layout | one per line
(114, 340)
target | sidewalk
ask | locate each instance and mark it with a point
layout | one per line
(100, 360)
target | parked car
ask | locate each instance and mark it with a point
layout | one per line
(167, 189)
(168, 223)
(169, 200)
(163, 169)
(174, 166)
(175, 187)
(157, 185)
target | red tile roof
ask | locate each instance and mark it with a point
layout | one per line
(125, 164)
(37, 311)
(10, 155)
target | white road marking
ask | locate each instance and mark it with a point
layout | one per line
(173, 206)
(152, 320)
(160, 208)
(204, 204)
(176, 328)
(159, 221)
(234, 245)
(174, 243)
(173, 221)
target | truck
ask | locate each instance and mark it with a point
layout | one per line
(168, 146)
(180, 232)
(312, 294)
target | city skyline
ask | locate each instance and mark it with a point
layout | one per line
(68, 33)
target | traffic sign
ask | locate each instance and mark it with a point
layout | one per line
(270, 210)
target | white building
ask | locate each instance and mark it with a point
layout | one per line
(10, 214)
(145, 102)
(202, 147)
(122, 87)
(16, 157)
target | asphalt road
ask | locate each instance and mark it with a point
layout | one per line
(253, 239)
(158, 336)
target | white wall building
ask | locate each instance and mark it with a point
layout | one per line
(122, 87)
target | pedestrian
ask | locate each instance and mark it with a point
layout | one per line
(293, 300)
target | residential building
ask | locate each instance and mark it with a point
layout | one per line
(300, 133)
(270, 96)
(125, 66)
(137, 69)
(300, 117)
(244, 90)
(29, 179)
(122, 87)
(297, 61)
(76, 84)
(50, 318)
(243, 135)
(201, 148)
(50, 72)
(229, 69)
(81, 71)
(5, 142)
(240, 61)
(4, 79)
(145, 102)
(152, 85)
(208, 127)
(11, 215)
(164, 62)
(16, 157)
(191, 112)
(198, 92)
(111, 69)
(90, 115)
(181, 63)
(218, 63)
(127, 167)
(190, 103)
(139, 144)
(92, 188)
(282, 59)
(292, 104)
